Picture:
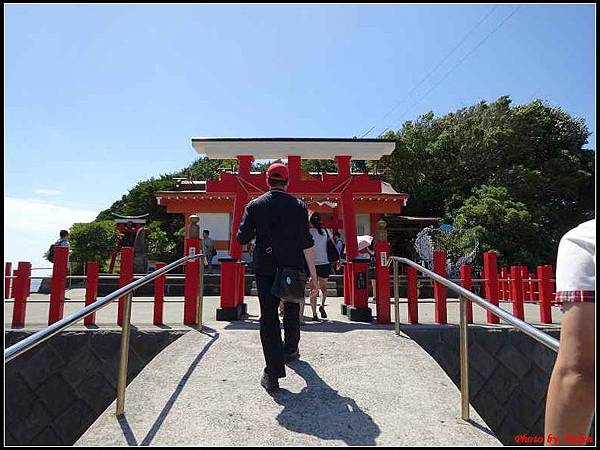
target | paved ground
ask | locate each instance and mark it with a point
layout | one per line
(37, 310)
(356, 384)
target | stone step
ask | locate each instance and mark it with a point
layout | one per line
(330, 284)
(330, 292)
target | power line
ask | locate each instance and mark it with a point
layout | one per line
(514, 11)
(466, 36)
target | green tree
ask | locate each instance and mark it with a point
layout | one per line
(263, 166)
(161, 247)
(141, 199)
(458, 243)
(501, 224)
(535, 151)
(92, 241)
(319, 165)
(360, 165)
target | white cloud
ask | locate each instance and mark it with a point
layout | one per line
(47, 192)
(30, 226)
(34, 215)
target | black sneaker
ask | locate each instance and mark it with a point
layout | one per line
(315, 318)
(322, 311)
(291, 356)
(270, 384)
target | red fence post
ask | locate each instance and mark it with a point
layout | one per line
(382, 282)
(412, 294)
(125, 277)
(236, 285)
(228, 309)
(517, 291)
(7, 280)
(466, 281)
(490, 273)
(546, 294)
(192, 278)
(14, 283)
(530, 278)
(58, 284)
(347, 287)
(525, 285)
(28, 284)
(91, 289)
(159, 296)
(440, 291)
(503, 283)
(20, 294)
(241, 287)
(359, 310)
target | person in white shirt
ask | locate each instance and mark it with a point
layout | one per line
(570, 402)
(320, 236)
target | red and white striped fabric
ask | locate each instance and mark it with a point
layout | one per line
(576, 265)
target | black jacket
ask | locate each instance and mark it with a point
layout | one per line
(279, 221)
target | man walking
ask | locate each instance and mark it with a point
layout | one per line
(279, 221)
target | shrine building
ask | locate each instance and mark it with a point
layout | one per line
(350, 203)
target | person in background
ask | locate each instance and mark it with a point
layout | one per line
(367, 254)
(320, 236)
(208, 247)
(250, 249)
(570, 402)
(63, 240)
(339, 244)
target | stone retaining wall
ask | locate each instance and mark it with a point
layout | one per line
(508, 371)
(55, 391)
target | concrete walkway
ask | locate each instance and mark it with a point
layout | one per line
(356, 384)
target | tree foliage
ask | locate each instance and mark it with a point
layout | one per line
(534, 151)
(518, 177)
(161, 246)
(92, 241)
(330, 165)
(166, 230)
(502, 225)
(319, 165)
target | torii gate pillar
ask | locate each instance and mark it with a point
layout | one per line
(357, 282)
(232, 305)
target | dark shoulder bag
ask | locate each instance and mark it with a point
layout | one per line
(50, 256)
(332, 252)
(290, 282)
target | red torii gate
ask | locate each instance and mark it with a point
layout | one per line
(127, 226)
(351, 193)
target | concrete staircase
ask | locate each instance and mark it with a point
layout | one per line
(331, 289)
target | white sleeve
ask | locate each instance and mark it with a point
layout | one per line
(576, 261)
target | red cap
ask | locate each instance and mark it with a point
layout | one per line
(277, 171)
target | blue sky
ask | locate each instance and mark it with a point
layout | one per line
(98, 97)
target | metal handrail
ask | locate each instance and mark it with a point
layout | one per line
(464, 295)
(37, 338)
